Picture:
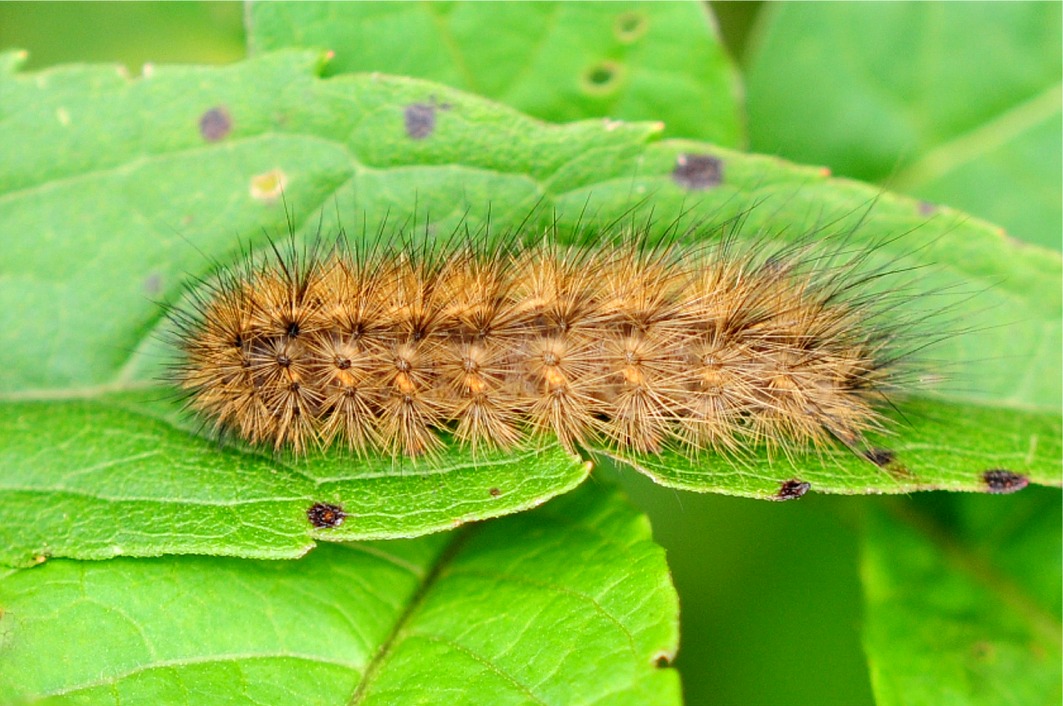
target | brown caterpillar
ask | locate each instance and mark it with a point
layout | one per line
(629, 344)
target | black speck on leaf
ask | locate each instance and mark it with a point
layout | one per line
(793, 489)
(879, 457)
(326, 515)
(1003, 481)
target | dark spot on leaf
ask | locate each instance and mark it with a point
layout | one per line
(326, 515)
(215, 124)
(662, 661)
(602, 78)
(983, 651)
(629, 26)
(420, 119)
(495, 492)
(927, 209)
(153, 284)
(792, 489)
(879, 457)
(1002, 481)
(697, 171)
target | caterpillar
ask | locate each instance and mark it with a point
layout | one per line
(630, 343)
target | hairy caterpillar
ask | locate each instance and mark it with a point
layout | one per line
(629, 343)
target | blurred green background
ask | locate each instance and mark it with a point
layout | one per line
(770, 592)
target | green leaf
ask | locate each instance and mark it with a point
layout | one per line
(963, 602)
(570, 604)
(556, 61)
(956, 103)
(939, 446)
(108, 476)
(117, 192)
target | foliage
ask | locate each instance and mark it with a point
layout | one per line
(115, 191)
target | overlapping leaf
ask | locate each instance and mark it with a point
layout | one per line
(557, 61)
(963, 602)
(958, 103)
(570, 604)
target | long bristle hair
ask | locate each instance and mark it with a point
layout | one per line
(399, 345)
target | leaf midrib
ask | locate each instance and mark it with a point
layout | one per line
(969, 563)
(984, 138)
(459, 538)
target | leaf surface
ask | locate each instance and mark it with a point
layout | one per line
(118, 192)
(570, 604)
(133, 483)
(962, 600)
(956, 103)
(938, 446)
(557, 61)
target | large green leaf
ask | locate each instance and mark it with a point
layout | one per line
(963, 601)
(956, 103)
(115, 192)
(558, 61)
(570, 604)
(135, 483)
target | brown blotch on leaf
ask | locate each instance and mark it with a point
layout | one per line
(793, 489)
(880, 457)
(216, 124)
(494, 492)
(420, 120)
(1003, 481)
(326, 515)
(662, 661)
(697, 171)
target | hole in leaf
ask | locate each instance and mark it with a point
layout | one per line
(602, 78)
(629, 26)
